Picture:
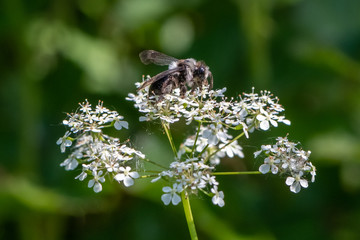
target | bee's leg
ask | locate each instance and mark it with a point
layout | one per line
(168, 85)
(211, 81)
(183, 90)
(167, 88)
(196, 83)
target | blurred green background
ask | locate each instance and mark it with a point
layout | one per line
(54, 54)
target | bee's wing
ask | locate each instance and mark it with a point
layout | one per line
(161, 75)
(158, 58)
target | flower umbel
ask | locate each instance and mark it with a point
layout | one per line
(99, 154)
(251, 111)
(286, 158)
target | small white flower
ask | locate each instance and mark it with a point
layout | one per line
(69, 164)
(85, 107)
(95, 182)
(171, 195)
(81, 176)
(269, 164)
(296, 182)
(210, 179)
(64, 141)
(127, 177)
(265, 119)
(218, 198)
(121, 124)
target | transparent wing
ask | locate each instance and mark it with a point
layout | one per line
(155, 57)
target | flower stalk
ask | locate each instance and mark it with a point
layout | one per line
(236, 173)
(188, 215)
(169, 136)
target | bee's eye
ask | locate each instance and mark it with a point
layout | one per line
(200, 71)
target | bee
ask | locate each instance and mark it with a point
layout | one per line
(182, 73)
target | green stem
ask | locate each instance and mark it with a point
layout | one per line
(188, 215)
(184, 196)
(196, 138)
(148, 176)
(152, 162)
(236, 173)
(168, 134)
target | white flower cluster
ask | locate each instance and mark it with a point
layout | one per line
(195, 164)
(191, 175)
(285, 157)
(251, 111)
(98, 153)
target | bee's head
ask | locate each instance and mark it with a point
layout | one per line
(201, 70)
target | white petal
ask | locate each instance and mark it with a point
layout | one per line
(142, 119)
(59, 141)
(97, 187)
(260, 118)
(287, 122)
(206, 133)
(265, 168)
(274, 123)
(176, 199)
(274, 169)
(213, 140)
(119, 177)
(223, 136)
(166, 198)
(102, 179)
(155, 179)
(289, 181)
(257, 153)
(125, 124)
(264, 125)
(68, 143)
(295, 187)
(134, 174)
(91, 183)
(221, 202)
(229, 152)
(128, 181)
(215, 200)
(304, 183)
(72, 165)
(167, 189)
(140, 154)
(62, 148)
